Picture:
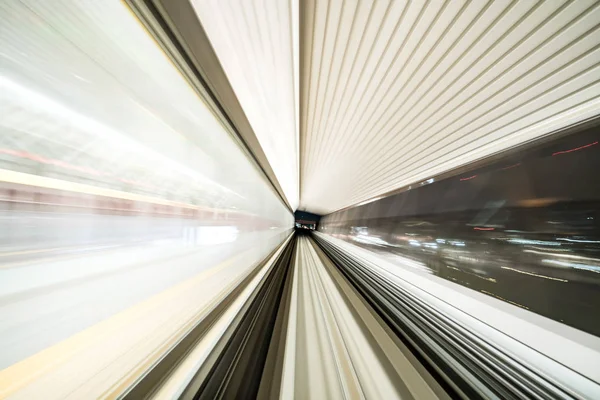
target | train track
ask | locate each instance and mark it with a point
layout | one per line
(314, 321)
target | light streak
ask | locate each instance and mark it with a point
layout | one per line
(475, 275)
(528, 241)
(571, 256)
(511, 166)
(575, 149)
(584, 267)
(537, 275)
(579, 241)
(503, 299)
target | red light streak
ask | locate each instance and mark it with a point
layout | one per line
(483, 229)
(468, 178)
(511, 166)
(575, 149)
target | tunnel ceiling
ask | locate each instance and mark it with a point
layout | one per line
(258, 49)
(392, 93)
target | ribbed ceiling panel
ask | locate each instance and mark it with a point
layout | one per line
(394, 92)
(257, 45)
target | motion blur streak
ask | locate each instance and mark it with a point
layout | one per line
(127, 208)
(575, 149)
(346, 350)
(529, 219)
(316, 199)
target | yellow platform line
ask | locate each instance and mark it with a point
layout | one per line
(34, 251)
(23, 373)
(22, 178)
(58, 257)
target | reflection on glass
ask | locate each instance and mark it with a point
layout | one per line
(522, 229)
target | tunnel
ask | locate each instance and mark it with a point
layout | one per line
(299, 199)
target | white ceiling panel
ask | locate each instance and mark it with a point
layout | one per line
(257, 45)
(394, 92)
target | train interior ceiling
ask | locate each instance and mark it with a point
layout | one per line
(315, 199)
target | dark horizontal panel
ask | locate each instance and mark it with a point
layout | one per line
(523, 228)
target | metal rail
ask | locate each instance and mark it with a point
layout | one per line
(471, 365)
